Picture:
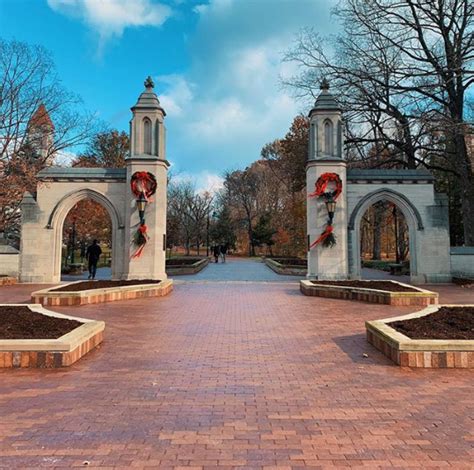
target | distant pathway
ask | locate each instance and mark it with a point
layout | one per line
(238, 269)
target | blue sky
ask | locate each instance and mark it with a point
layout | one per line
(216, 64)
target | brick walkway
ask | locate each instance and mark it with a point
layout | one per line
(236, 374)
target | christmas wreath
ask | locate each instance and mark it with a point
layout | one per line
(143, 185)
(322, 184)
(327, 238)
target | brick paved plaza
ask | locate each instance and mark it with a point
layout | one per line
(226, 373)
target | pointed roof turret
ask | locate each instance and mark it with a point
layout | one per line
(41, 118)
(325, 101)
(148, 98)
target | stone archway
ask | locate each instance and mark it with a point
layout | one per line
(412, 218)
(59, 189)
(58, 216)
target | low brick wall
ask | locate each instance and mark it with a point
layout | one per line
(93, 296)
(187, 269)
(407, 352)
(287, 270)
(52, 353)
(421, 298)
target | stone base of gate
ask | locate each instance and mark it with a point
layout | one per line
(420, 297)
(93, 296)
(51, 353)
(404, 351)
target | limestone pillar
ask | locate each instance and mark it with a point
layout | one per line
(326, 156)
(147, 153)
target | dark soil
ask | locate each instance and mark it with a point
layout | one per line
(291, 261)
(381, 285)
(463, 281)
(182, 261)
(446, 323)
(86, 285)
(22, 323)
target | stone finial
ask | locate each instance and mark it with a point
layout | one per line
(324, 84)
(149, 82)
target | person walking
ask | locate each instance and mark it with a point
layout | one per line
(223, 250)
(92, 255)
(216, 252)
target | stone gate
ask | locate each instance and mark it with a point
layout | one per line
(412, 191)
(59, 189)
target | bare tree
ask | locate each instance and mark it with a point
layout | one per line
(243, 189)
(402, 69)
(28, 85)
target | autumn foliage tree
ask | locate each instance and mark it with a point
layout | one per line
(403, 72)
(107, 149)
(267, 199)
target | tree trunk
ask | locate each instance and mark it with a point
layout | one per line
(395, 223)
(467, 185)
(377, 234)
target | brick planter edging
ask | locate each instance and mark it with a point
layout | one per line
(7, 280)
(431, 353)
(282, 269)
(188, 269)
(49, 297)
(421, 298)
(51, 353)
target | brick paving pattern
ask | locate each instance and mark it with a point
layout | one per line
(236, 375)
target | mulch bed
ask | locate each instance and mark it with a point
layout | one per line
(381, 285)
(86, 285)
(463, 282)
(446, 323)
(182, 261)
(22, 323)
(291, 261)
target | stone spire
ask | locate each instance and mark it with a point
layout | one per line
(148, 98)
(41, 119)
(147, 130)
(325, 100)
(326, 140)
(40, 133)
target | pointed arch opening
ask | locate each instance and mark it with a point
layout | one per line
(60, 221)
(400, 234)
(328, 137)
(147, 136)
(86, 222)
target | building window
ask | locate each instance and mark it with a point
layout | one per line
(147, 136)
(328, 138)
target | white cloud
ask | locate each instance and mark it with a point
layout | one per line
(109, 18)
(203, 181)
(178, 96)
(230, 102)
(64, 158)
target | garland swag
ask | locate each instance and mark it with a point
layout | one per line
(143, 185)
(327, 238)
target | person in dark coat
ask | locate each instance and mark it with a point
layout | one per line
(216, 252)
(223, 250)
(92, 255)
